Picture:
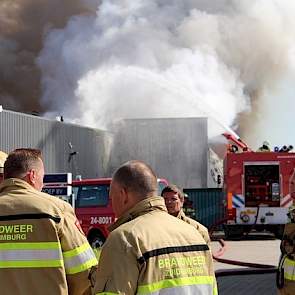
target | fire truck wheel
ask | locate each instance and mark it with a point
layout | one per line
(233, 232)
(96, 240)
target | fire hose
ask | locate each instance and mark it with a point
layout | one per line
(220, 252)
(251, 267)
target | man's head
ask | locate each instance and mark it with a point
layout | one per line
(3, 157)
(174, 199)
(131, 183)
(25, 164)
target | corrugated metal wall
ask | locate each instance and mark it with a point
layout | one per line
(53, 137)
(207, 204)
(176, 148)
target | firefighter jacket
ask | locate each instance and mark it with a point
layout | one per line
(151, 252)
(200, 227)
(42, 248)
(287, 263)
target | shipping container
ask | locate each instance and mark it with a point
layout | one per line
(205, 205)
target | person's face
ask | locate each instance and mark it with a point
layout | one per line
(173, 202)
(117, 197)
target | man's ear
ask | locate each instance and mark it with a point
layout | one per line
(181, 197)
(31, 176)
(125, 195)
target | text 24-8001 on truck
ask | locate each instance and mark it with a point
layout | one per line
(93, 207)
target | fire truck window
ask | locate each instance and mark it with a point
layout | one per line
(92, 195)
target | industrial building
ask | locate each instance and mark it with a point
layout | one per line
(176, 148)
(65, 147)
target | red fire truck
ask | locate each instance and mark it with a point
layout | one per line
(94, 209)
(259, 188)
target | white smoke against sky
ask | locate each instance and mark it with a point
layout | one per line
(176, 58)
(275, 118)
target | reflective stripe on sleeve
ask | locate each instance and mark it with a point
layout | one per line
(22, 246)
(289, 269)
(79, 259)
(177, 286)
(28, 255)
(183, 290)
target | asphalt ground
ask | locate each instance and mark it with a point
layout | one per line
(251, 284)
(241, 280)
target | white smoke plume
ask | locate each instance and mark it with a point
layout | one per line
(140, 59)
(230, 60)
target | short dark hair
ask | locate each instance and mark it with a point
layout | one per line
(138, 177)
(20, 161)
(172, 188)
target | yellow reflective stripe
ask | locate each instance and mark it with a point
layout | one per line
(289, 276)
(79, 259)
(31, 263)
(82, 267)
(289, 262)
(76, 251)
(177, 282)
(31, 246)
(215, 291)
(21, 255)
(289, 269)
(97, 253)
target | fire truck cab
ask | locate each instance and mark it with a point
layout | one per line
(259, 188)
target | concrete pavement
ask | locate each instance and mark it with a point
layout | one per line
(254, 251)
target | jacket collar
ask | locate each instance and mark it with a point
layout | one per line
(14, 183)
(181, 215)
(144, 206)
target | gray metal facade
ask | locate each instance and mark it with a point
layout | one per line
(53, 138)
(176, 148)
